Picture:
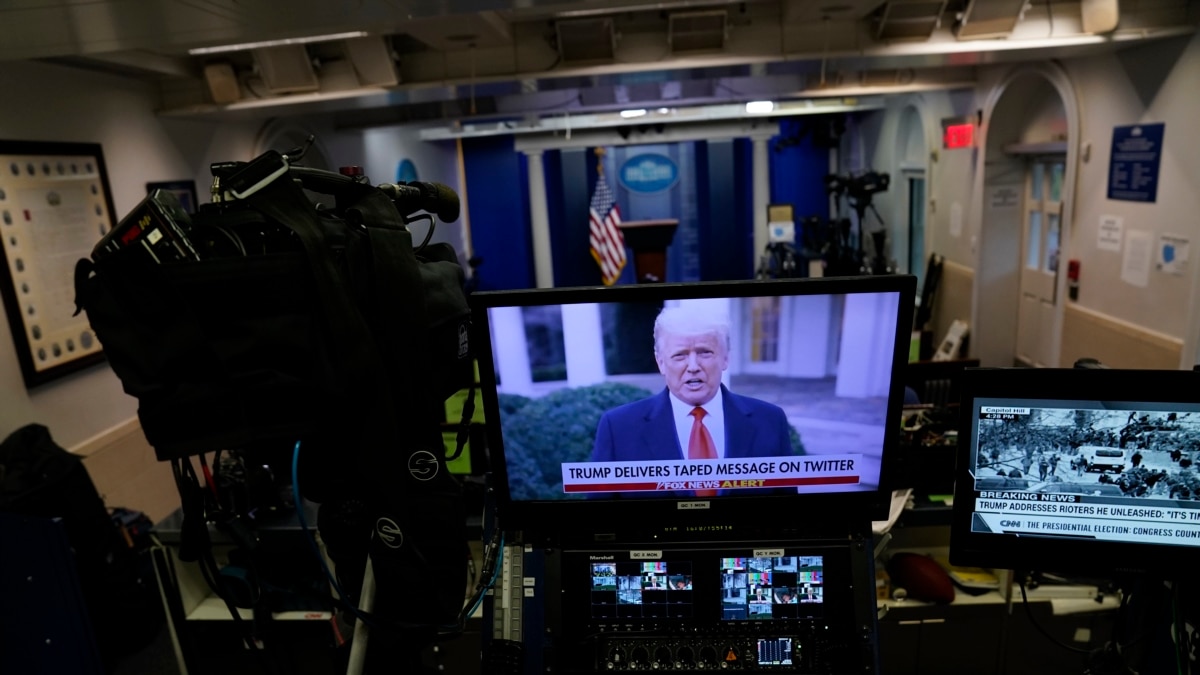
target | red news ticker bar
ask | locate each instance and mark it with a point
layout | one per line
(700, 485)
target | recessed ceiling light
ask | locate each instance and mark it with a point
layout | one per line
(760, 106)
(627, 114)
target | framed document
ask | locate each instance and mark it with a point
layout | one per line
(55, 204)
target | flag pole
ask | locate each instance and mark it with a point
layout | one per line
(600, 152)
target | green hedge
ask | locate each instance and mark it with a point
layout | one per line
(557, 428)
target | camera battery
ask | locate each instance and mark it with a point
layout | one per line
(157, 226)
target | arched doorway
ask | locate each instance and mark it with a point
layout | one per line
(1025, 178)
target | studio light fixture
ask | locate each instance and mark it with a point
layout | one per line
(220, 49)
(760, 107)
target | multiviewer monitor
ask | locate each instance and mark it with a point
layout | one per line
(591, 397)
(1078, 470)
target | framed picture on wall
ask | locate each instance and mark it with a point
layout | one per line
(184, 190)
(55, 205)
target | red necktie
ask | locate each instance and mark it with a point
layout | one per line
(700, 445)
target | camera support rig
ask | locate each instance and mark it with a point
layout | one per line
(859, 192)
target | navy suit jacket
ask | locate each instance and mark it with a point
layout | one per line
(645, 430)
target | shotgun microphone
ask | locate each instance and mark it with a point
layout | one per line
(420, 196)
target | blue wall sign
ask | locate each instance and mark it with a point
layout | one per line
(649, 173)
(1133, 169)
(406, 171)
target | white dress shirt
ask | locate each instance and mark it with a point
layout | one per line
(714, 421)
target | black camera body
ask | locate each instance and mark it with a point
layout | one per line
(858, 188)
(261, 294)
(293, 324)
(865, 185)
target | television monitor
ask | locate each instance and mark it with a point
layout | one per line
(583, 427)
(1077, 470)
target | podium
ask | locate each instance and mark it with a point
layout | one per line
(649, 240)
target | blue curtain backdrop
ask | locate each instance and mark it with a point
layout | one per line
(678, 201)
(725, 213)
(798, 169)
(713, 200)
(498, 199)
(569, 190)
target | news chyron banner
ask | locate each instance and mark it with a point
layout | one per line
(1059, 515)
(711, 474)
(1084, 512)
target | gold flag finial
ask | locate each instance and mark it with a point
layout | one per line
(600, 152)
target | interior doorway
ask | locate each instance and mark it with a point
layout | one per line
(1025, 177)
(915, 211)
(912, 155)
(1041, 243)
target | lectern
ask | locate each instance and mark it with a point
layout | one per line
(649, 240)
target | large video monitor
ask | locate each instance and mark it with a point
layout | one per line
(591, 397)
(1078, 470)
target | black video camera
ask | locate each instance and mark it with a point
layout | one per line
(859, 188)
(269, 320)
(230, 325)
(865, 185)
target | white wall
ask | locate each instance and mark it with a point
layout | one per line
(951, 180)
(1118, 90)
(948, 176)
(1149, 83)
(381, 151)
(53, 103)
(1042, 110)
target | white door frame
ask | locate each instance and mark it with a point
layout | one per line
(1057, 77)
(912, 167)
(782, 347)
(908, 174)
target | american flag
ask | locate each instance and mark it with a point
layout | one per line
(607, 242)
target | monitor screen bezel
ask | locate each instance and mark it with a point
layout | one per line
(634, 515)
(1047, 554)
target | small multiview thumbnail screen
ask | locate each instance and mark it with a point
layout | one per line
(757, 589)
(642, 590)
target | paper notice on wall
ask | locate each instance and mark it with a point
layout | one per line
(1109, 236)
(1135, 265)
(956, 220)
(1004, 197)
(1172, 253)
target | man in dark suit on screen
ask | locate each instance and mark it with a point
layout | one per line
(694, 416)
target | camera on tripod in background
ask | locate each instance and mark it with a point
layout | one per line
(848, 253)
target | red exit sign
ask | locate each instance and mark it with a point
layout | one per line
(958, 136)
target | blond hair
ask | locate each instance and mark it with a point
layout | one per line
(690, 320)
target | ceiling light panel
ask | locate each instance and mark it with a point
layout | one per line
(989, 19)
(903, 20)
